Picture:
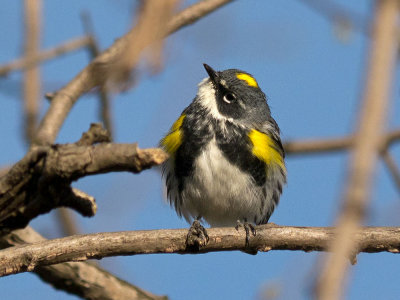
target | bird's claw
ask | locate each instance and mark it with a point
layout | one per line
(247, 228)
(197, 236)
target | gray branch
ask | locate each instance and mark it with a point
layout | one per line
(82, 279)
(41, 181)
(269, 237)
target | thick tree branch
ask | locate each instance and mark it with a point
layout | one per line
(269, 237)
(72, 162)
(41, 180)
(79, 278)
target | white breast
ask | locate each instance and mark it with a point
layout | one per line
(220, 192)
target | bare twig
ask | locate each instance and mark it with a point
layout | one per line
(392, 137)
(94, 50)
(44, 55)
(393, 169)
(95, 134)
(67, 222)
(105, 109)
(82, 279)
(334, 144)
(335, 13)
(31, 82)
(269, 237)
(366, 148)
(194, 13)
(64, 100)
(318, 146)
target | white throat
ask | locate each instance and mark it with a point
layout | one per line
(207, 99)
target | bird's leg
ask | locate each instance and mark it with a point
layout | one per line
(197, 236)
(247, 228)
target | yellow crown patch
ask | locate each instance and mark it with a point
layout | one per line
(249, 79)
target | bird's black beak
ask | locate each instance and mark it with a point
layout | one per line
(211, 72)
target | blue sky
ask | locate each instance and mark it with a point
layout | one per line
(314, 84)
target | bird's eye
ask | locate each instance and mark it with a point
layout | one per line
(228, 98)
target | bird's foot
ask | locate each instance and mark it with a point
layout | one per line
(197, 236)
(247, 228)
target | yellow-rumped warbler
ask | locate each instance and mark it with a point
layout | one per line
(226, 160)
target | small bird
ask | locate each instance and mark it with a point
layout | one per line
(226, 160)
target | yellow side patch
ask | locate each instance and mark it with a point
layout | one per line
(264, 148)
(246, 77)
(178, 123)
(173, 139)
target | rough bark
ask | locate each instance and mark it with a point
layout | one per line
(79, 278)
(41, 181)
(269, 237)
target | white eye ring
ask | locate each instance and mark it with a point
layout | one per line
(229, 97)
